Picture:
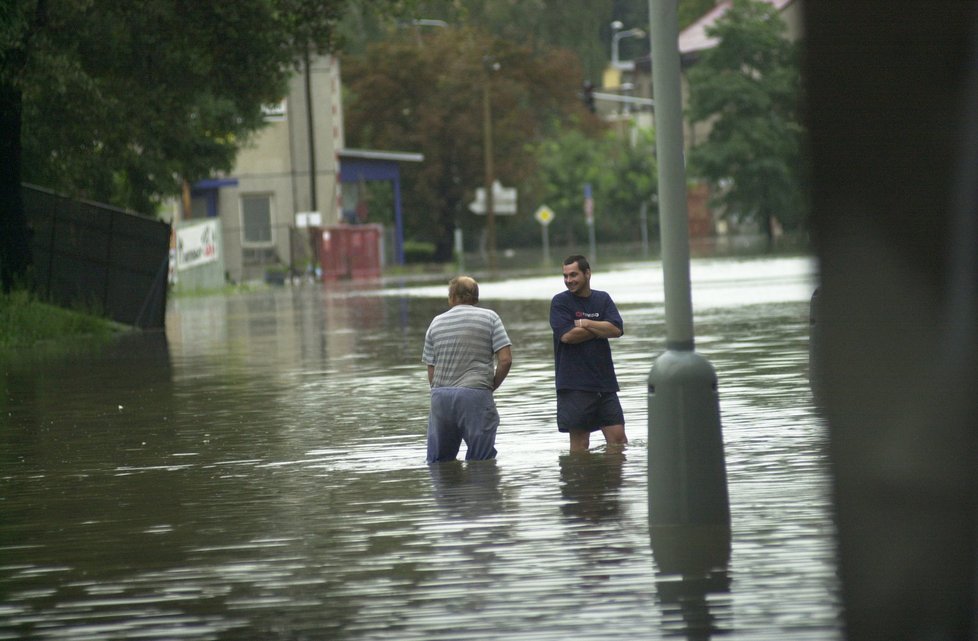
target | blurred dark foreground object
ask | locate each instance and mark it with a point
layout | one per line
(891, 107)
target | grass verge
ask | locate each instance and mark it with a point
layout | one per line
(25, 322)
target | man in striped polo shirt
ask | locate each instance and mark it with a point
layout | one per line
(468, 355)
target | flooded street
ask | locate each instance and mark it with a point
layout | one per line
(258, 473)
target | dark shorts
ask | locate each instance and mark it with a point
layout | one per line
(577, 410)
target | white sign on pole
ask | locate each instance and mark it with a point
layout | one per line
(308, 219)
(503, 200)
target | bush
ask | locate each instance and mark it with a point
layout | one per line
(418, 252)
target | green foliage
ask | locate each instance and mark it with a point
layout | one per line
(567, 163)
(27, 322)
(410, 95)
(622, 175)
(748, 88)
(692, 10)
(418, 252)
(379, 196)
(581, 26)
(123, 100)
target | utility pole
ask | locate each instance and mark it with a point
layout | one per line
(490, 177)
(589, 219)
(311, 124)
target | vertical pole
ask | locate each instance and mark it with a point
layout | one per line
(589, 219)
(186, 199)
(643, 216)
(459, 250)
(545, 237)
(312, 134)
(673, 218)
(398, 221)
(490, 170)
(689, 513)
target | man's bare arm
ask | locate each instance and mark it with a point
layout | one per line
(504, 361)
(601, 329)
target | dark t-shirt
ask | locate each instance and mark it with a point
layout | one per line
(583, 366)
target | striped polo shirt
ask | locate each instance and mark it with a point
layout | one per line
(461, 343)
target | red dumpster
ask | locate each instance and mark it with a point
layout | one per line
(349, 251)
(363, 250)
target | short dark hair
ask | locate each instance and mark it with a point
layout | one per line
(464, 289)
(580, 260)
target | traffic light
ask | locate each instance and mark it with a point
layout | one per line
(587, 95)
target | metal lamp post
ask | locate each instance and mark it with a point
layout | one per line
(689, 512)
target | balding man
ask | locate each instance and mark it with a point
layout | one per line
(468, 355)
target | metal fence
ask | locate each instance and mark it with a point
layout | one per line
(98, 258)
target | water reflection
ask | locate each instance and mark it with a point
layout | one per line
(467, 490)
(590, 484)
(692, 578)
(696, 607)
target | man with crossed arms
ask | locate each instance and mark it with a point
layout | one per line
(583, 319)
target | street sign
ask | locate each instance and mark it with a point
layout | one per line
(588, 204)
(544, 215)
(503, 200)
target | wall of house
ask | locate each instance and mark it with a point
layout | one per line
(792, 16)
(274, 172)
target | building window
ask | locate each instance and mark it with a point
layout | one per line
(256, 219)
(252, 256)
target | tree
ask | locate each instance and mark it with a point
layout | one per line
(122, 101)
(622, 176)
(748, 88)
(581, 26)
(567, 163)
(631, 180)
(692, 10)
(411, 95)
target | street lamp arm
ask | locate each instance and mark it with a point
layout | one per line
(616, 41)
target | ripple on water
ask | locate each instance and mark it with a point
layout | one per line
(266, 479)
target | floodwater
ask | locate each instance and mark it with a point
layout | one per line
(258, 473)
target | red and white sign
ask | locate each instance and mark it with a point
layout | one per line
(196, 245)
